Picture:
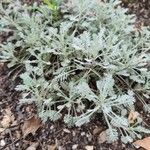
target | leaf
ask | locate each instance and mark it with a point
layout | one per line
(33, 146)
(133, 115)
(145, 143)
(102, 137)
(52, 147)
(51, 4)
(83, 120)
(7, 119)
(105, 86)
(31, 126)
(112, 135)
(141, 129)
(2, 130)
(126, 139)
(97, 130)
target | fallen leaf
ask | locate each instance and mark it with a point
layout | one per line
(88, 147)
(102, 137)
(52, 147)
(31, 126)
(33, 146)
(7, 119)
(144, 143)
(97, 130)
(18, 135)
(133, 115)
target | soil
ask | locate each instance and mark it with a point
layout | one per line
(139, 7)
(51, 135)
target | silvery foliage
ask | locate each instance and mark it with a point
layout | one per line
(73, 66)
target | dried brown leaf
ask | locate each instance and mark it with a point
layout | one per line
(144, 143)
(7, 119)
(52, 147)
(133, 115)
(97, 130)
(31, 126)
(33, 146)
(102, 137)
(2, 130)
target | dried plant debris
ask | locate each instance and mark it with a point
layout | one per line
(31, 126)
(144, 143)
(8, 119)
(33, 146)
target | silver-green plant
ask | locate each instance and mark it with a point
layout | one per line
(92, 60)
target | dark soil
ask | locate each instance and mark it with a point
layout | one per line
(141, 8)
(58, 133)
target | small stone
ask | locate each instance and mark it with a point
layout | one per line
(52, 127)
(61, 148)
(73, 133)
(88, 147)
(82, 133)
(66, 130)
(89, 137)
(17, 144)
(123, 145)
(2, 143)
(74, 146)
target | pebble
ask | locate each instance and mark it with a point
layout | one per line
(73, 133)
(88, 147)
(82, 133)
(89, 137)
(123, 145)
(61, 148)
(74, 146)
(52, 127)
(17, 144)
(66, 130)
(2, 143)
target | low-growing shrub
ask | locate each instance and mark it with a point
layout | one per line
(81, 58)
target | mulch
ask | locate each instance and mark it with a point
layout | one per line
(58, 133)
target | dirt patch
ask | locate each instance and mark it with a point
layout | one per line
(141, 8)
